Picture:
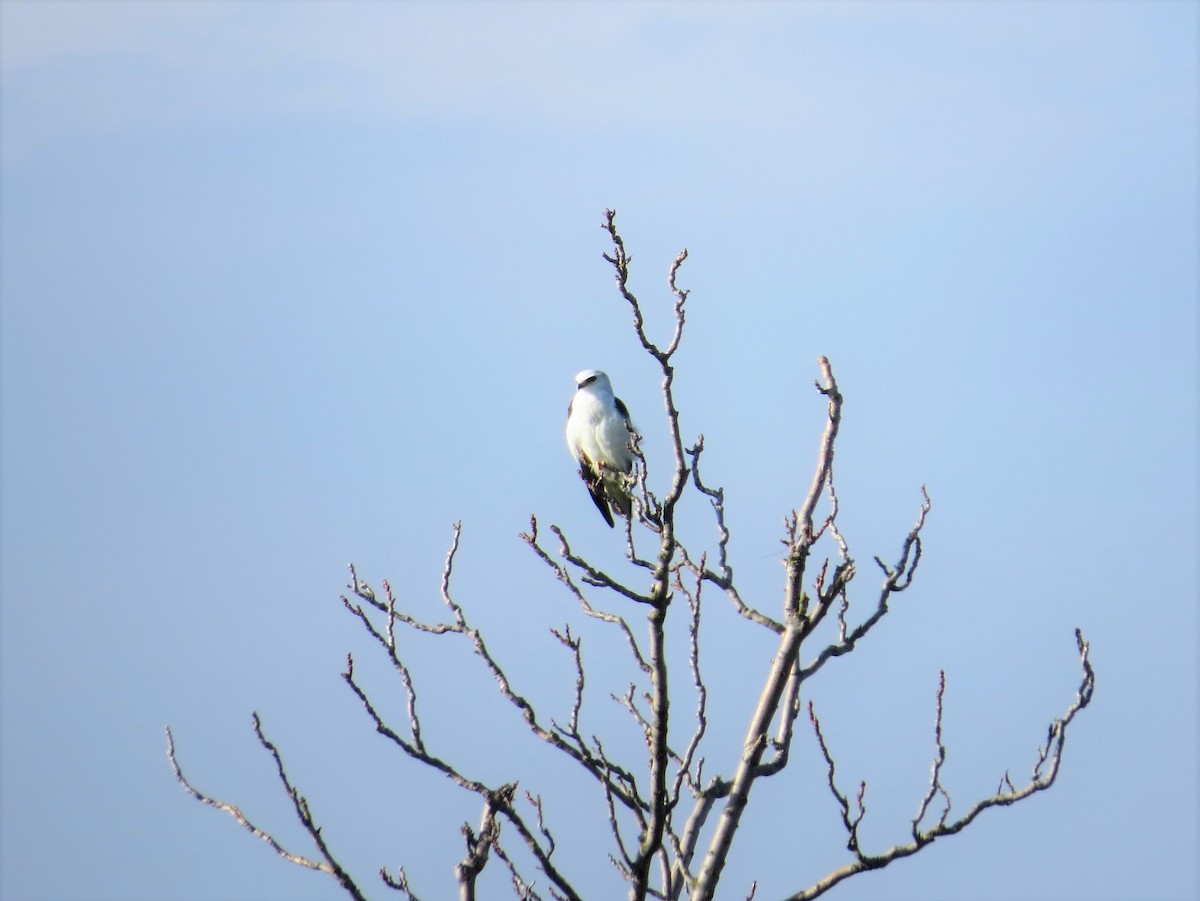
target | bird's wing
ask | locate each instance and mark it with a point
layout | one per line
(614, 482)
(623, 410)
(595, 486)
(588, 471)
(626, 421)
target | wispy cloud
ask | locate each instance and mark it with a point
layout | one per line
(625, 64)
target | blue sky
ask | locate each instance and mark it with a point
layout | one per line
(289, 286)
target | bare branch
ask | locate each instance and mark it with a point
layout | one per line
(620, 261)
(825, 454)
(681, 297)
(480, 844)
(563, 575)
(935, 782)
(659, 595)
(795, 627)
(387, 639)
(524, 890)
(628, 701)
(895, 579)
(649, 507)
(462, 627)
(596, 577)
(752, 751)
(418, 753)
(725, 583)
(560, 886)
(363, 590)
(536, 802)
(613, 822)
(724, 578)
(574, 645)
(789, 706)
(1049, 758)
(851, 823)
(497, 797)
(399, 882)
(329, 865)
(683, 774)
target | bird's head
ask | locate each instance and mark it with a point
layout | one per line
(593, 378)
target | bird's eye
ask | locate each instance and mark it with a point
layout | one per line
(588, 380)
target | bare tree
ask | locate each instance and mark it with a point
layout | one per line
(672, 826)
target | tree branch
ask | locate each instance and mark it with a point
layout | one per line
(659, 595)
(802, 538)
(895, 580)
(563, 575)
(479, 844)
(329, 865)
(724, 578)
(1045, 770)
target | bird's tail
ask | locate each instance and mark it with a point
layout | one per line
(616, 489)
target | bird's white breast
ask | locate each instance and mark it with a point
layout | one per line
(596, 429)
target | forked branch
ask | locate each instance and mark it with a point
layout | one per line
(328, 864)
(1045, 770)
(783, 667)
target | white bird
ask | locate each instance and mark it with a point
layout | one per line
(599, 433)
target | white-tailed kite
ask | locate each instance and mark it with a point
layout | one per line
(599, 433)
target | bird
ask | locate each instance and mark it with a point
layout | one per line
(599, 435)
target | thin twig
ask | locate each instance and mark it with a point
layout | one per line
(1049, 758)
(935, 781)
(329, 865)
